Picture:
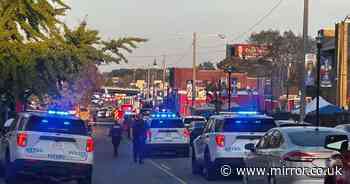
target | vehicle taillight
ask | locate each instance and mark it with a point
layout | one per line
(186, 133)
(149, 135)
(22, 139)
(220, 140)
(90, 145)
(299, 156)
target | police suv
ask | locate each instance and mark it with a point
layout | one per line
(47, 145)
(223, 140)
(167, 133)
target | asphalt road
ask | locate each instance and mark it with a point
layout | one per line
(110, 170)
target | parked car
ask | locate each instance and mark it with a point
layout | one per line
(345, 127)
(291, 123)
(289, 147)
(340, 159)
(223, 142)
(196, 128)
(188, 119)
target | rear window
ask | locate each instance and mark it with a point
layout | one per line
(248, 125)
(189, 120)
(199, 125)
(56, 125)
(167, 123)
(310, 138)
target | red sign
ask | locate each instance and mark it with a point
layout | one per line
(246, 51)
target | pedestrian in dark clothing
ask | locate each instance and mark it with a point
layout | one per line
(138, 131)
(116, 134)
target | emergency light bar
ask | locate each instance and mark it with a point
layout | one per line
(247, 113)
(61, 113)
(163, 115)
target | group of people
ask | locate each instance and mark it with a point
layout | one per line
(137, 134)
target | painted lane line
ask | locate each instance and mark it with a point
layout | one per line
(167, 172)
(165, 167)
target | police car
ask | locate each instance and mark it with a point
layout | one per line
(167, 134)
(223, 141)
(47, 145)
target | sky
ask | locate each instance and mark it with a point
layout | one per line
(169, 24)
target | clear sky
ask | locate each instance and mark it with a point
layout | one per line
(169, 24)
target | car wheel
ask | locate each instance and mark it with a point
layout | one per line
(186, 153)
(245, 179)
(196, 169)
(87, 180)
(272, 180)
(209, 170)
(10, 175)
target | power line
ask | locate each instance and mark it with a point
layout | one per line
(260, 20)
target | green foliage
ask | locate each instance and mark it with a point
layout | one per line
(37, 50)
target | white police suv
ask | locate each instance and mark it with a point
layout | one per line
(47, 145)
(223, 141)
(167, 134)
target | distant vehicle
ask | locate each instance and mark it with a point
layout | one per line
(167, 134)
(223, 139)
(196, 128)
(292, 147)
(101, 113)
(345, 127)
(146, 111)
(188, 119)
(340, 159)
(52, 142)
(291, 123)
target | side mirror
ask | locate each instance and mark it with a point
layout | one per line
(337, 142)
(250, 147)
(8, 123)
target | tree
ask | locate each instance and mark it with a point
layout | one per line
(40, 53)
(206, 66)
(29, 20)
(285, 48)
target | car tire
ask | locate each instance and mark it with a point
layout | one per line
(245, 179)
(10, 173)
(87, 180)
(272, 179)
(196, 169)
(209, 170)
(186, 153)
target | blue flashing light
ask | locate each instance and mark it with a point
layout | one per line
(164, 115)
(61, 113)
(163, 110)
(247, 113)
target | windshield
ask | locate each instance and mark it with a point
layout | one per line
(167, 123)
(248, 125)
(310, 138)
(56, 125)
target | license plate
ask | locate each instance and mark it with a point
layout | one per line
(57, 146)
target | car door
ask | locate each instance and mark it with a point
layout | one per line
(274, 151)
(200, 141)
(11, 137)
(253, 160)
(262, 156)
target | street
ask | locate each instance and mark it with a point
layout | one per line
(108, 170)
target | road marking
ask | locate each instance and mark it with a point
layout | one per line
(165, 167)
(167, 172)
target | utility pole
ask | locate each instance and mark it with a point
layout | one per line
(164, 77)
(302, 67)
(194, 66)
(148, 82)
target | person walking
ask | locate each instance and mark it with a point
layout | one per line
(116, 133)
(138, 135)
